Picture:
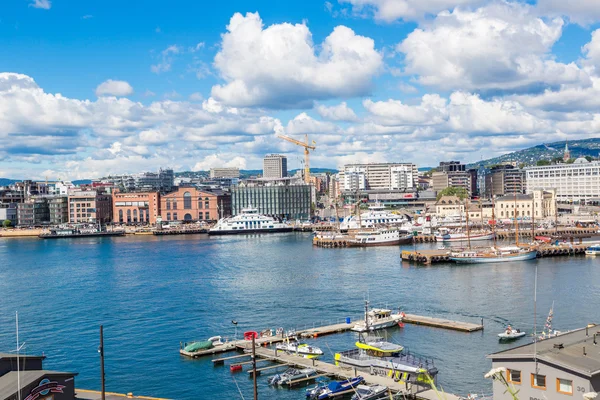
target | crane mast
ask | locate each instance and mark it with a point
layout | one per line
(307, 146)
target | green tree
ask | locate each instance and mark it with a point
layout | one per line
(541, 163)
(459, 192)
(522, 165)
(570, 161)
(6, 223)
(589, 158)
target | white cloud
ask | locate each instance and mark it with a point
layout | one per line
(196, 96)
(391, 10)
(149, 93)
(220, 160)
(43, 4)
(303, 124)
(114, 88)
(166, 59)
(579, 11)
(592, 51)
(197, 47)
(341, 112)
(279, 66)
(431, 111)
(499, 46)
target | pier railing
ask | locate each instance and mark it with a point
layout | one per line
(328, 322)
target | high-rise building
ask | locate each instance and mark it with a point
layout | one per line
(275, 166)
(381, 176)
(573, 182)
(224, 173)
(89, 206)
(504, 180)
(453, 174)
(282, 200)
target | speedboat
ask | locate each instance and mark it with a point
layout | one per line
(301, 349)
(511, 334)
(291, 374)
(364, 392)
(377, 318)
(378, 346)
(334, 389)
(593, 250)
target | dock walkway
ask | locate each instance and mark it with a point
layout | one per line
(328, 330)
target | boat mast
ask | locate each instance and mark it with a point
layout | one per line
(367, 315)
(516, 222)
(468, 229)
(493, 212)
(18, 367)
(533, 217)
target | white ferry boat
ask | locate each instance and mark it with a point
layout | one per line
(376, 215)
(593, 250)
(445, 236)
(380, 237)
(249, 221)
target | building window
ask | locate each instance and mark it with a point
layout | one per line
(514, 376)
(206, 204)
(121, 216)
(538, 381)
(174, 216)
(564, 386)
(187, 201)
(128, 216)
(135, 216)
(168, 204)
(174, 205)
(200, 204)
(207, 216)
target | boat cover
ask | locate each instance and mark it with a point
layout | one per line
(196, 346)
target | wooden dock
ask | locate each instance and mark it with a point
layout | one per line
(321, 331)
(327, 369)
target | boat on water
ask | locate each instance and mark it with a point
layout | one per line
(377, 318)
(593, 250)
(249, 221)
(445, 236)
(375, 215)
(199, 345)
(377, 346)
(291, 374)
(380, 237)
(61, 233)
(301, 349)
(334, 389)
(364, 392)
(493, 255)
(511, 334)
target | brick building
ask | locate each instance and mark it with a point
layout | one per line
(134, 208)
(191, 204)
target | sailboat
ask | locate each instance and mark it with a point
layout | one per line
(495, 254)
(548, 332)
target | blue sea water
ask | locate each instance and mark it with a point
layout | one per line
(150, 293)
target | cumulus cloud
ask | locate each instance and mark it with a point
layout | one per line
(410, 10)
(114, 88)
(499, 46)
(166, 59)
(43, 4)
(592, 52)
(303, 124)
(341, 112)
(431, 111)
(583, 12)
(280, 67)
(220, 160)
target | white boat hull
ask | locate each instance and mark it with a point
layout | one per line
(530, 255)
(360, 327)
(462, 238)
(511, 336)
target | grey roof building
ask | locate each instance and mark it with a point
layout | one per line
(556, 368)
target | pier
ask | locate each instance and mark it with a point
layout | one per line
(316, 332)
(160, 232)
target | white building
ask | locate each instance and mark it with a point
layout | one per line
(383, 176)
(275, 166)
(224, 173)
(573, 182)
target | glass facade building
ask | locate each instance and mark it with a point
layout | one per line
(283, 201)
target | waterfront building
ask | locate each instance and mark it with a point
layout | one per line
(559, 368)
(449, 205)
(380, 176)
(90, 206)
(538, 204)
(135, 207)
(503, 180)
(579, 181)
(8, 211)
(33, 211)
(224, 173)
(191, 204)
(163, 181)
(35, 382)
(60, 187)
(275, 166)
(283, 200)
(58, 207)
(454, 174)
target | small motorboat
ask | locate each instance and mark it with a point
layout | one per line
(364, 392)
(511, 334)
(291, 374)
(235, 368)
(333, 389)
(593, 250)
(216, 340)
(377, 346)
(301, 349)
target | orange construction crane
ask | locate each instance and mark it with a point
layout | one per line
(307, 145)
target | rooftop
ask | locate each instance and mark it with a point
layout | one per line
(8, 382)
(512, 197)
(568, 352)
(21, 356)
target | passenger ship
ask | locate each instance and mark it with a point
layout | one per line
(249, 221)
(380, 237)
(376, 215)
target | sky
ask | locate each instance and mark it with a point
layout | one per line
(92, 88)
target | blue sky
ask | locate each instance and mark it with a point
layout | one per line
(91, 88)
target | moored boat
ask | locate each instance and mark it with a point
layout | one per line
(301, 349)
(593, 250)
(461, 236)
(61, 233)
(333, 389)
(249, 221)
(380, 237)
(291, 374)
(364, 392)
(493, 255)
(377, 318)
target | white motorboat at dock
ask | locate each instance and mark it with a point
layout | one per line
(249, 221)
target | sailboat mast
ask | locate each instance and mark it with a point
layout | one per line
(468, 229)
(18, 357)
(533, 218)
(493, 212)
(516, 222)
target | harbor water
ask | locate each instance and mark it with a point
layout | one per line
(150, 293)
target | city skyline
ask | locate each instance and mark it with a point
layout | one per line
(97, 89)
